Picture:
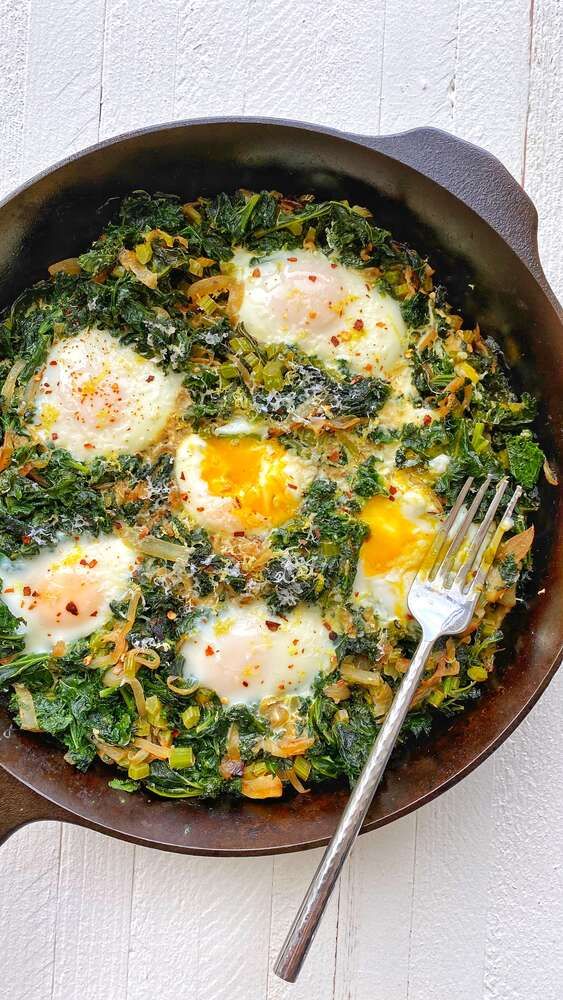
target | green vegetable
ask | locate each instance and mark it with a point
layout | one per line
(525, 458)
(181, 757)
(138, 771)
(329, 415)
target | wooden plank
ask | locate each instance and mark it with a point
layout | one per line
(29, 869)
(418, 65)
(14, 19)
(94, 905)
(449, 905)
(524, 951)
(214, 914)
(543, 166)
(524, 948)
(317, 63)
(62, 97)
(489, 88)
(291, 876)
(212, 58)
(374, 915)
(139, 65)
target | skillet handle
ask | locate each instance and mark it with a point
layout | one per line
(478, 179)
(19, 805)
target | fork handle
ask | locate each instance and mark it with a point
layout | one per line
(304, 926)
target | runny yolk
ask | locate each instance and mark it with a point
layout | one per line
(254, 474)
(393, 539)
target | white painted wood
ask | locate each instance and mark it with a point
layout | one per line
(464, 899)
(543, 166)
(94, 905)
(374, 924)
(29, 863)
(14, 20)
(62, 96)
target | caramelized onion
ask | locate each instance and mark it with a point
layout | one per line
(11, 379)
(155, 749)
(28, 716)
(265, 786)
(69, 265)
(184, 691)
(129, 260)
(288, 746)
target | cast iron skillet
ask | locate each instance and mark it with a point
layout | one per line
(447, 199)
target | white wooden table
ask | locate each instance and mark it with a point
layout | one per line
(464, 899)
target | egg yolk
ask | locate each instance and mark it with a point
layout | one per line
(393, 539)
(254, 475)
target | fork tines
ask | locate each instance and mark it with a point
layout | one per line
(439, 562)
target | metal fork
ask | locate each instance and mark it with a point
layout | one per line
(442, 598)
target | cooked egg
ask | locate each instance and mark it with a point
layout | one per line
(99, 397)
(246, 653)
(301, 297)
(240, 483)
(65, 594)
(401, 529)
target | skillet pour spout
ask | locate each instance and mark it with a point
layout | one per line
(453, 202)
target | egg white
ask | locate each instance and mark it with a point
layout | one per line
(99, 397)
(247, 653)
(223, 513)
(65, 594)
(301, 297)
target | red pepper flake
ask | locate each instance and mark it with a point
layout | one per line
(332, 636)
(291, 486)
(182, 476)
(312, 277)
(239, 534)
(184, 496)
(292, 259)
(200, 509)
(334, 266)
(281, 687)
(245, 684)
(27, 591)
(83, 562)
(92, 563)
(209, 651)
(335, 341)
(26, 539)
(359, 324)
(117, 524)
(93, 614)
(383, 326)
(52, 363)
(273, 626)
(427, 419)
(150, 378)
(392, 490)
(87, 444)
(334, 456)
(256, 272)
(71, 608)
(54, 436)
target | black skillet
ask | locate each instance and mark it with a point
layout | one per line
(449, 200)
